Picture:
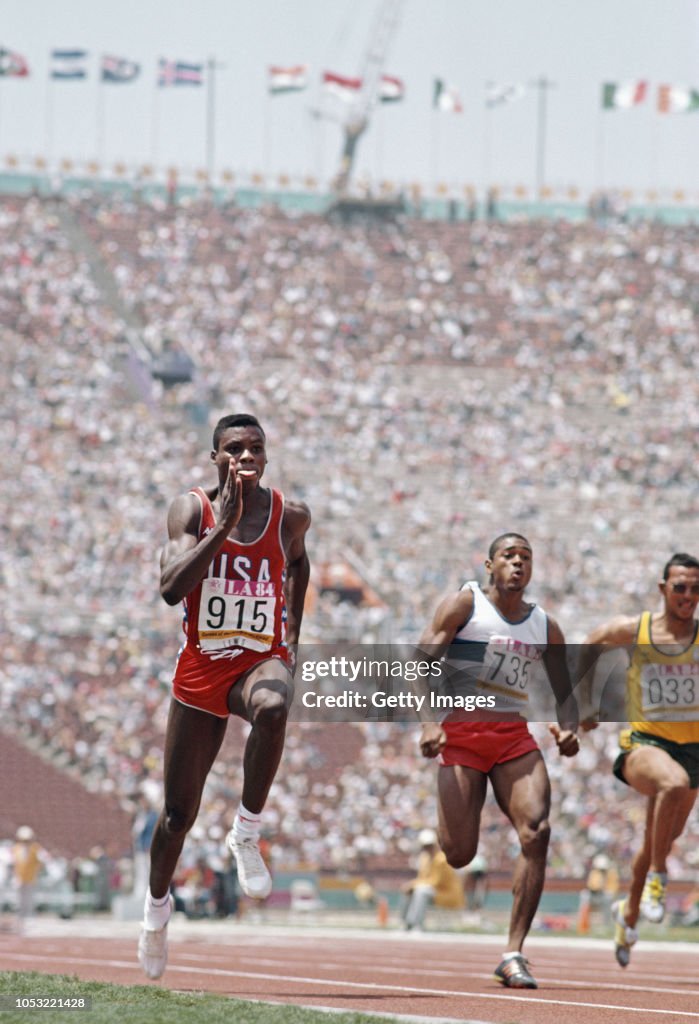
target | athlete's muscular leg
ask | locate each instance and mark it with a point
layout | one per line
(640, 866)
(654, 773)
(192, 741)
(263, 698)
(523, 791)
(461, 792)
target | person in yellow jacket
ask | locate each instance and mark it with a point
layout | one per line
(26, 859)
(436, 883)
(659, 754)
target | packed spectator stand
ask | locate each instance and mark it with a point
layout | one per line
(424, 385)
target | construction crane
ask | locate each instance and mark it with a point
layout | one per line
(357, 121)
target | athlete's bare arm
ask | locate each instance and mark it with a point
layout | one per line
(559, 677)
(620, 631)
(185, 559)
(450, 616)
(297, 519)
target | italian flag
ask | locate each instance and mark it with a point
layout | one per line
(446, 97)
(391, 89)
(623, 95)
(677, 99)
(292, 79)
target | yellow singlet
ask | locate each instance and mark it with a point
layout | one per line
(662, 690)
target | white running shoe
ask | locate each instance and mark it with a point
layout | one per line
(624, 935)
(253, 876)
(152, 950)
(653, 896)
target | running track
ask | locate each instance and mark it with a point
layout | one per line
(433, 976)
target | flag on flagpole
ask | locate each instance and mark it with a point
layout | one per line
(345, 89)
(677, 99)
(446, 97)
(498, 95)
(623, 95)
(68, 64)
(12, 65)
(118, 69)
(293, 79)
(178, 72)
(391, 89)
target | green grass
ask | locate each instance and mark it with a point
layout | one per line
(143, 1004)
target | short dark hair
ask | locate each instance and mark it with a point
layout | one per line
(236, 419)
(683, 559)
(503, 536)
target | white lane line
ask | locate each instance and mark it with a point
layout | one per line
(414, 969)
(371, 986)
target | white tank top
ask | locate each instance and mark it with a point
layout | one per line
(501, 658)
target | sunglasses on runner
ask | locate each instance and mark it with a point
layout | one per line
(682, 588)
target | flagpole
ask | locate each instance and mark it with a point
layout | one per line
(99, 134)
(543, 84)
(435, 147)
(210, 117)
(488, 142)
(653, 162)
(154, 127)
(267, 137)
(600, 155)
(48, 121)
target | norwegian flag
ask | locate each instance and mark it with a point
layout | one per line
(177, 72)
(118, 69)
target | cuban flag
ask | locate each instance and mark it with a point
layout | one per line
(178, 72)
(118, 69)
(68, 64)
(293, 79)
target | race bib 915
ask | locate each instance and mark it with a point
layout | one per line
(236, 613)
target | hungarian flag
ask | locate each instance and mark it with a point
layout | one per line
(118, 69)
(293, 79)
(497, 95)
(677, 99)
(68, 64)
(177, 72)
(623, 95)
(12, 65)
(445, 97)
(391, 90)
(346, 89)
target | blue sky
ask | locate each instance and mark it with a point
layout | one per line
(465, 42)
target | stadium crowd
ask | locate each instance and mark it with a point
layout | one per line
(424, 386)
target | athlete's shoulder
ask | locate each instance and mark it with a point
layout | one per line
(297, 515)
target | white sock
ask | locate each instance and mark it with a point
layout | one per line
(508, 956)
(246, 824)
(156, 913)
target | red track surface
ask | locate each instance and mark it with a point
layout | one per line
(430, 975)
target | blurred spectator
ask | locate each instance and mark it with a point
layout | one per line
(476, 882)
(27, 861)
(435, 883)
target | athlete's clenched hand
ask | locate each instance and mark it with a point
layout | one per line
(432, 739)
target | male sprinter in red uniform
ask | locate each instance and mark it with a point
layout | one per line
(236, 557)
(499, 642)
